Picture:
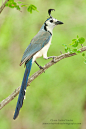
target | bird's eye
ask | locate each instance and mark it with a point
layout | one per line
(51, 21)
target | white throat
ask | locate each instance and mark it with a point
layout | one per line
(50, 29)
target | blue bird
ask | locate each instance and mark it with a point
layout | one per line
(38, 47)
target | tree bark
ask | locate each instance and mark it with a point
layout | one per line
(3, 5)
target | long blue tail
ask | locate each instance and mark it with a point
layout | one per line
(23, 88)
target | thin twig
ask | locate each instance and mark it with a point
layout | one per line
(61, 52)
(82, 45)
(35, 75)
(3, 5)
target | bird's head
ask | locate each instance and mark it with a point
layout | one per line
(51, 22)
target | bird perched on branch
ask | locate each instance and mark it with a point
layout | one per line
(38, 47)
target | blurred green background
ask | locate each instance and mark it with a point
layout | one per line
(57, 94)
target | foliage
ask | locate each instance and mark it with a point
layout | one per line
(16, 5)
(83, 54)
(74, 44)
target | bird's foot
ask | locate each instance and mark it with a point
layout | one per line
(53, 58)
(41, 68)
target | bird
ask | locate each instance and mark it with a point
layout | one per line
(38, 47)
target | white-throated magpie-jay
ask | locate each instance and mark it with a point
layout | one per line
(38, 47)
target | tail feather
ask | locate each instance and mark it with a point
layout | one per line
(23, 89)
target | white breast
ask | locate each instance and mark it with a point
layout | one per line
(42, 52)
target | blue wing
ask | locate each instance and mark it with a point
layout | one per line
(37, 43)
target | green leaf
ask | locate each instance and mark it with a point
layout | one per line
(66, 50)
(74, 50)
(69, 50)
(17, 7)
(83, 54)
(85, 61)
(75, 44)
(81, 40)
(12, 4)
(73, 39)
(29, 9)
(23, 5)
(32, 7)
(64, 46)
(6, 4)
(78, 51)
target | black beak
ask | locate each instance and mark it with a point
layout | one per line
(58, 23)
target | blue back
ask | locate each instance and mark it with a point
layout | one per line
(37, 43)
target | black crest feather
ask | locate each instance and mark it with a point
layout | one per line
(49, 12)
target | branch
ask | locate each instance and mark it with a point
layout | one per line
(35, 75)
(3, 5)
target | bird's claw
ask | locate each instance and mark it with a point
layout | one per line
(53, 57)
(41, 68)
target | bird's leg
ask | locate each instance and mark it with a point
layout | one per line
(51, 57)
(39, 65)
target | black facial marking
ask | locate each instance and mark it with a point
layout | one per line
(51, 21)
(45, 28)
